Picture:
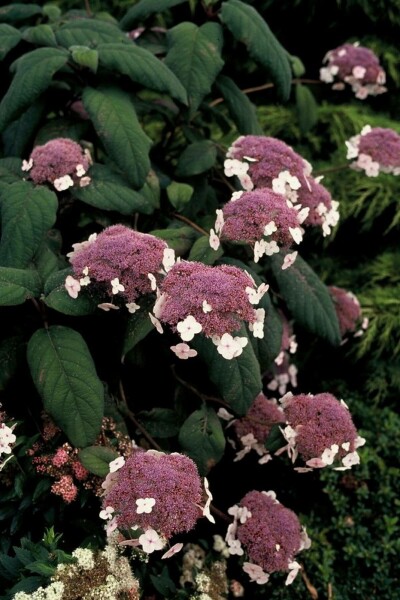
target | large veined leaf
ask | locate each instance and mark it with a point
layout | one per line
(238, 380)
(160, 422)
(115, 121)
(17, 11)
(109, 191)
(194, 57)
(18, 285)
(142, 67)
(96, 459)
(10, 170)
(144, 8)
(247, 26)
(201, 251)
(197, 158)
(9, 38)
(307, 298)
(180, 239)
(40, 35)
(89, 32)
(242, 111)
(65, 377)
(138, 327)
(33, 74)
(27, 212)
(202, 438)
(57, 297)
(19, 134)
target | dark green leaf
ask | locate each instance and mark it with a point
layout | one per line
(27, 212)
(65, 377)
(268, 348)
(17, 285)
(202, 252)
(194, 57)
(297, 65)
(34, 72)
(197, 158)
(238, 380)
(40, 35)
(275, 439)
(202, 438)
(242, 111)
(160, 422)
(144, 8)
(151, 190)
(85, 57)
(18, 136)
(118, 128)
(163, 583)
(142, 67)
(61, 127)
(27, 585)
(96, 459)
(8, 359)
(179, 194)
(46, 261)
(307, 298)
(9, 38)
(306, 107)
(10, 170)
(247, 26)
(138, 327)
(10, 567)
(57, 297)
(89, 32)
(180, 239)
(109, 191)
(19, 12)
(41, 568)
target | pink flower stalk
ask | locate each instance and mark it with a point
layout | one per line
(270, 533)
(263, 219)
(168, 482)
(357, 66)
(122, 260)
(65, 488)
(348, 311)
(61, 162)
(261, 161)
(323, 211)
(261, 416)
(321, 430)
(376, 150)
(211, 299)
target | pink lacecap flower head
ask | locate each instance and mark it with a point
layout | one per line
(171, 480)
(320, 429)
(121, 260)
(210, 299)
(323, 211)
(348, 310)
(272, 535)
(61, 162)
(261, 416)
(261, 215)
(356, 66)
(65, 488)
(375, 150)
(270, 163)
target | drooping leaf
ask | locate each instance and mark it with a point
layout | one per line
(18, 136)
(45, 261)
(306, 107)
(89, 32)
(144, 8)
(17, 285)
(137, 328)
(17, 11)
(61, 127)
(57, 297)
(197, 158)
(160, 422)
(34, 73)
(65, 377)
(115, 121)
(194, 57)
(85, 57)
(202, 438)
(307, 298)
(96, 459)
(27, 212)
(248, 26)
(242, 111)
(40, 35)
(142, 67)
(238, 380)
(180, 239)
(10, 170)
(201, 251)
(179, 194)
(109, 191)
(151, 190)
(9, 38)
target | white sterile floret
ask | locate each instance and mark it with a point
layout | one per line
(107, 306)
(255, 573)
(230, 347)
(188, 328)
(63, 183)
(80, 170)
(156, 323)
(294, 568)
(173, 550)
(153, 281)
(168, 259)
(72, 286)
(206, 508)
(183, 351)
(144, 505)
(214, 240)
(150, 541)
(27, 165)
(289, 260)
(116, 286)
(328, 455)
(116, 464)
(296, 233)
(219, 221)
(132, 307)
(270, 228)
(206, 307)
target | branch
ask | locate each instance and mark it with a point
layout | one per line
(189, 222)
(126, 411)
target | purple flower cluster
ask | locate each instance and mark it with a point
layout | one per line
(321, 430)
(357, 66)
(214, 296)
(376, 150)
(171, 485)
(270, 533)
(261, 416)
(121, 260)
(61, 162)
(266, 162)
(348, 311)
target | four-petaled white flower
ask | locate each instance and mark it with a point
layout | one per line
(80, 170)
(107, 306)
(214, 240)
(359, 72)
(255, 296)
(230, 347)
(156, 323)
(145, 505)
(7, 437)
(173, 550)
(328, 455)
(107, 513)
(296, 234)
(168, 259)
(150, 541)
(235, 547)
(132, 307)
(270, 228)
(63, 183)
(188, 328)
(236, 195)
(84, 280)
(351, 459)
(84, 181)
(294, 568)
(206, 307)
(116, 464)
(219, 221)
(184, 351)
(116, 286)
(289, 260)
(72, 286)
(27, 165)
(153, 281)
(255, 573)
(257, 327)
